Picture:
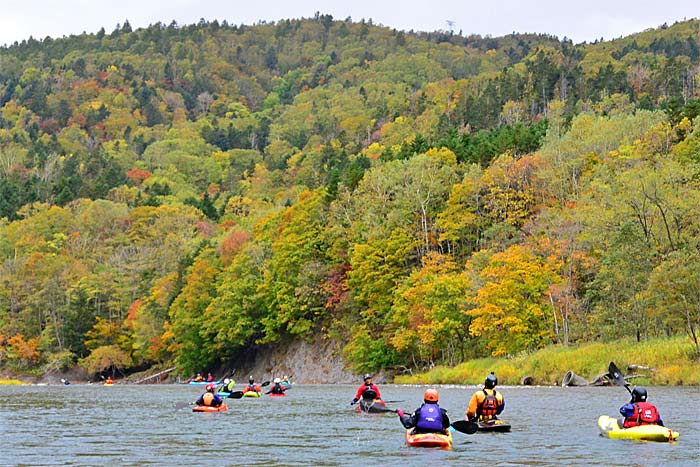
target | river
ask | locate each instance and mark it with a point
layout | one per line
(92, 425)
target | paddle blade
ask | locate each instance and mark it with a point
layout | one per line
(236, 395)
(465, 426)
(616, 375)
(266, 383)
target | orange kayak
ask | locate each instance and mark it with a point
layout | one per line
(429, 440)
(209, 408)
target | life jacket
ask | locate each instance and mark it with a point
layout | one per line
(488, 407)
(277, 389)
(429, 419)
(644, 414)
(208, 398)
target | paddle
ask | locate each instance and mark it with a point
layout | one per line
(236, 395)
(465, 426)
(616, 376)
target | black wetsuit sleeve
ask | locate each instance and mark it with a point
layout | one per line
(445, 419)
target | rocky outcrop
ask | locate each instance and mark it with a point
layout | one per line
(304, 362)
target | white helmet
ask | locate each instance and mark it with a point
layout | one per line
(276, 380)
(226, 380)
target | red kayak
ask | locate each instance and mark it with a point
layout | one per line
(272, 394)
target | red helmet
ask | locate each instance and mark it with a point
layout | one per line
(209, 387)
(431, 395)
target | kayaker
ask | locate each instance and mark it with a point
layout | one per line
(252, 386)
(487, 403)
(429, 417)
(109, 380)
(210, 378)
(639, 411)
(210, 398)
(227, 386)
(368, 390)
(198, 378)
(277, 388)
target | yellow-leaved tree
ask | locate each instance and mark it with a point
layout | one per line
(511, 311)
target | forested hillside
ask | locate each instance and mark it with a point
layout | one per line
(184, 193)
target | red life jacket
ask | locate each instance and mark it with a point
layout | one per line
(644, 414)
(488, 407)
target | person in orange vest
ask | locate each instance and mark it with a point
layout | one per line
(109, 380)
(639, 411)
(210, 398)
(487, 403)
(198, 378)
(252, 386)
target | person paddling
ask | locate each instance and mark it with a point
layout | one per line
(640, 412)
(210, 398)
(368, 391)
(429, 417)
(252, 387)
(228, 385)
(277, 388)
(487, 403)
(109, 380)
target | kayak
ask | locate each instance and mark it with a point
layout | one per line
(272, 394)
(374, 406)
(610, 428)
(286, 384)
(109, 384)
(209, 408)
(251, 394)
(494, 425)
(223, 394)
(429, 440)
(202, 383)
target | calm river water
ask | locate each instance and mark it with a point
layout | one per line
(92, 425)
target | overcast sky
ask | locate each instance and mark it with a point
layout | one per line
(580, 21)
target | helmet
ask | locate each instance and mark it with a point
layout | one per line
(276, 380)
(639, 395)
(431, 395)
(209, 387)
(226, 380)
(367, 376)
(251, 380)
(491, 381)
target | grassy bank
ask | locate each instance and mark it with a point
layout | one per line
(672, 359)
(11, 382)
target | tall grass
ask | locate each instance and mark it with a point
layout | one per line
(11, 382)
(673, 362)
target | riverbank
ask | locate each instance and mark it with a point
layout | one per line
(672, 362)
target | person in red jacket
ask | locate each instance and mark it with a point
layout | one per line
(368, 391)
(252, 386)
(639, 411)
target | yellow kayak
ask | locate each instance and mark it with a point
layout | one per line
(610, 428)
(251, 394)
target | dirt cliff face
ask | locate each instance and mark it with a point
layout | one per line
(303, 362)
